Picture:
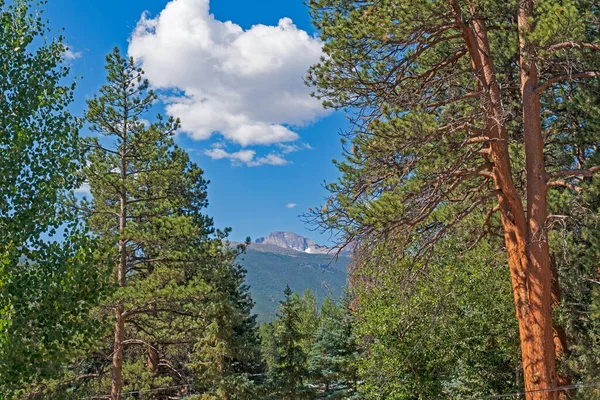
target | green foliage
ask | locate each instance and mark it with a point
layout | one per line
(50, 302)
(450, 334)
(38, 136)
(187, 317)
(309, 318)
(334, 355)
(290, 371)
(433, 314)
(47, 283)
(226, 357)
(268, 345)
(577, 256)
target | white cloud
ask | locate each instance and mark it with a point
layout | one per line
(292, 148)
(70, 54)
(246, 85)
(291, 205)
(246, 157)
(83, 189)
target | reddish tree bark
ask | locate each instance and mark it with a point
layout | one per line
(524, 233)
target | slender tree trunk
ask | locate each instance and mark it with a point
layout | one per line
(153, 356)
(117, 362)
(525, 240)
(152, 350)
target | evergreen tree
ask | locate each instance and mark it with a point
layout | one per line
(268, 345)
(459, 109)
(333, 357)
(226, 358)
(182, 322)
(146, 208)
(309, 318)
(290, 367)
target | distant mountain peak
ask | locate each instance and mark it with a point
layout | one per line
(290, 240)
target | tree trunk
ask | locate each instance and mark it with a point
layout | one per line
(117, 361)
(539, 272)
(153, 356)
(525, 240)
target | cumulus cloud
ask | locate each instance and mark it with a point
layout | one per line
(246, 85)
(71, 54)
(291, 205)
(246, 157)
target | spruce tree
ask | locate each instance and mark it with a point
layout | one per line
(309, 317)
(226, 358)
(268, 345)
(332, 359)
(290, 368)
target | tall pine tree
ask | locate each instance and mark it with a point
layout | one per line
(179, 297)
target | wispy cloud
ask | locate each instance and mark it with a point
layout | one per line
(246, 157)
(291, 205)
(71, 54)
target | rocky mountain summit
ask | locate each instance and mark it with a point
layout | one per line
(289, 240)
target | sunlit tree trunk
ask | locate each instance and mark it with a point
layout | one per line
(524, 233)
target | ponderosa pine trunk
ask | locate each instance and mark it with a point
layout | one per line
(524, 234)
(539, 270)
(117, 361)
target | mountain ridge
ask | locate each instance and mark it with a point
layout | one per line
(279, 260)
(294, 241)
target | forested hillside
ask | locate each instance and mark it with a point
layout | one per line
(466, 210)
(271, 268)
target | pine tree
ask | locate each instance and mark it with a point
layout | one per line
(182, 313)
(458, 109)
(290, 368)
(147, 201)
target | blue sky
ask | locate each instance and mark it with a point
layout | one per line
(240, 65)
